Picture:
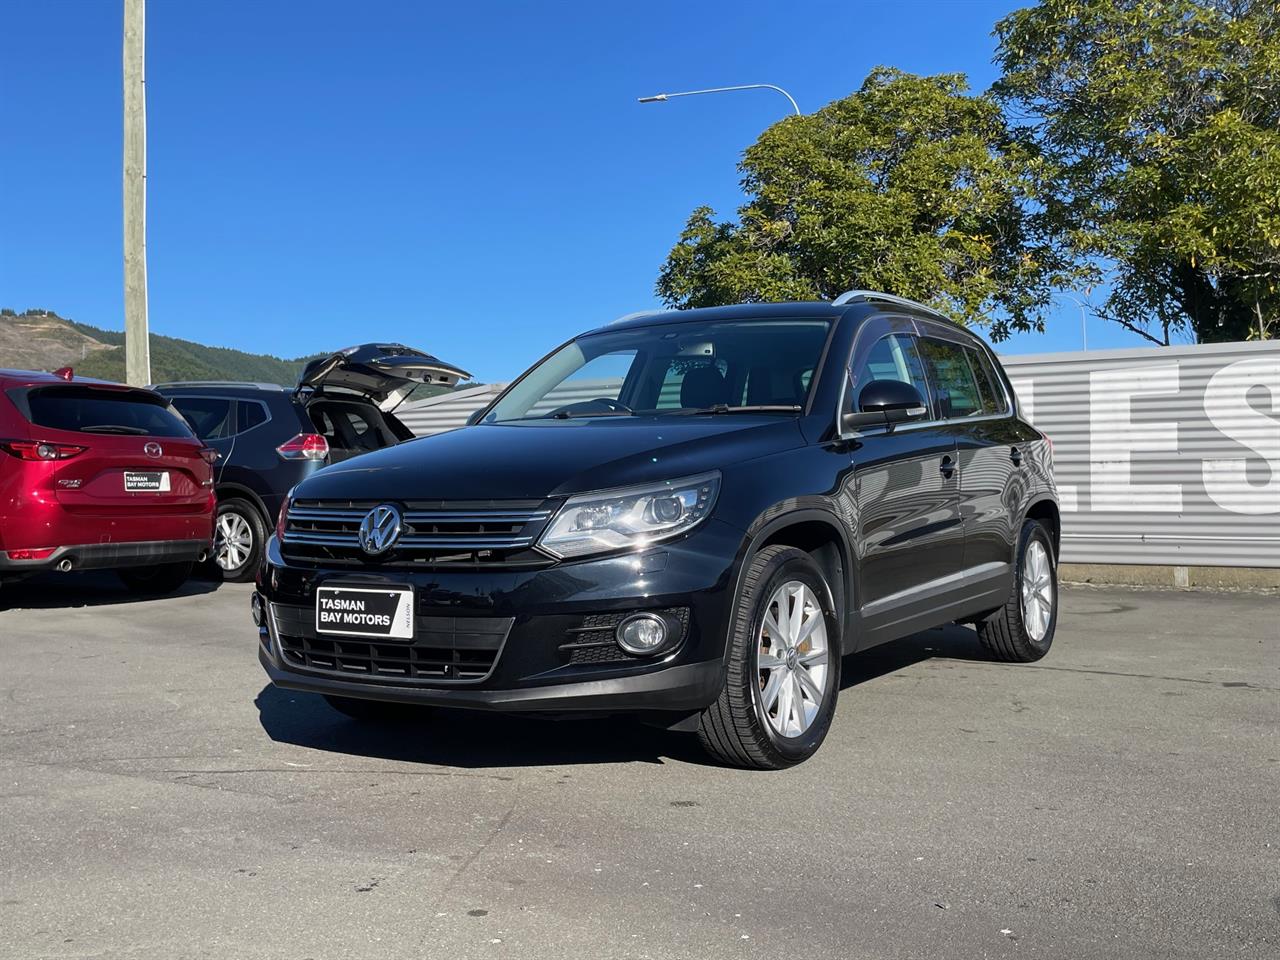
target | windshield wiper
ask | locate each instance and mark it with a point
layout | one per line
(114, 428)
(718, 408)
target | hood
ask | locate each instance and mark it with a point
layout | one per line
(382, 372)
(545, 458)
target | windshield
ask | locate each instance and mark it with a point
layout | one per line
(672, 369)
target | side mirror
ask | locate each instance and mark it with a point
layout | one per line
(885, 402)
(475, 416)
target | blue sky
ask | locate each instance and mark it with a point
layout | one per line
(473, 179)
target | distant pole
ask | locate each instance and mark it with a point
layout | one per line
(1084, 327)
(137, 351)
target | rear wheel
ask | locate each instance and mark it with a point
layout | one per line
(784, 666)
(239, 535)
(375, 711)
(155, 580)
(1022, 630)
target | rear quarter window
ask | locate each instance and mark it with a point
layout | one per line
(90, 410)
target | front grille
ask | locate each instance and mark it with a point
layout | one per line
(593, 640)
(444, 649)
(439, 533)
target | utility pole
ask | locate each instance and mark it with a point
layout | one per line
(137, 348)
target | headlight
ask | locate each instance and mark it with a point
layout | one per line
(630, 517)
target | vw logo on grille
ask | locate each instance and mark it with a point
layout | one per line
(380, 529)
(152, 450)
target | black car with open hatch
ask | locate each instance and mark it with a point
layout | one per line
(690, 516)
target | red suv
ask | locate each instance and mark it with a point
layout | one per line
(100, 475)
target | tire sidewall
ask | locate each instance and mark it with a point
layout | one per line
(792, 565)
(257, 530)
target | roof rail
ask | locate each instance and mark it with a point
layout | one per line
(220, 383)
(871, 296)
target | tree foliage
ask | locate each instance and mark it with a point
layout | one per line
(1160, 123)
(910, 185)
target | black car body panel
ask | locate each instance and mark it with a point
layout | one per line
(914, 524)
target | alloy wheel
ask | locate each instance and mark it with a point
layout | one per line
(234, 541)
(791, 656)
(1037, 591)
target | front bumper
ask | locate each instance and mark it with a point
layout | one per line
(682, 688)
(540, 613)
(98, 556)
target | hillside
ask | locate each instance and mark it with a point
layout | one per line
(40, 340)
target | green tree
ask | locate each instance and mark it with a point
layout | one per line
(910, 185)
(1160, 122)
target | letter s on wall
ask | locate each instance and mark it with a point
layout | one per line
(1226, 404)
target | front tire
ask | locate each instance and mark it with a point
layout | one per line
(239, 535)
(1022, 630)
(155, 581)
(783, 679)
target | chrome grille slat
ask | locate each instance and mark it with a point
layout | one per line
(475, 532)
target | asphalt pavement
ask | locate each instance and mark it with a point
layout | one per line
(1118, 799)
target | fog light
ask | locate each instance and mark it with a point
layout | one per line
(642, 634)
(255, 607)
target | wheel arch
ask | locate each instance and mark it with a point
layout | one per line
(1046, 511)
(236, 491)
(818, 533)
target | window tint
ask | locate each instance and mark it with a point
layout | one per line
(209, 417)
(989, 386)
(87, 410)
(955, 385)
(250, 414)
(893, 357)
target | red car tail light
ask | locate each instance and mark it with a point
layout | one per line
(209, 455)
(37, 450)
(305, 446)
(36, 553)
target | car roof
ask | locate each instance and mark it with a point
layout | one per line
(31, 378)
(738, 311)
(865, 302)
(219, 386)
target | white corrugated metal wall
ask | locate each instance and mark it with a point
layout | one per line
(1164, 455)
(1168, 455)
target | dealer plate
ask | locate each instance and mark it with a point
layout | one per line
(386, 613)
(139, 481)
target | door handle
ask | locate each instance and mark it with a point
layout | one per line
(947, 467)
(1016, 456)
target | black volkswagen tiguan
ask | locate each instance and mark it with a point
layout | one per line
(691, 516)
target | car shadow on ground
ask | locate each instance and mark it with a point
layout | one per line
(474, 739)
(58, 591)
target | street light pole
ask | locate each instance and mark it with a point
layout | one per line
(663, 97)
(137, 349)
(1084, 330)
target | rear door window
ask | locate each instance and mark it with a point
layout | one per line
(210, 417)
(954, 382)
(89, 410)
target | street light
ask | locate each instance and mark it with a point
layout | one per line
(1084, 331)
(663, 97)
